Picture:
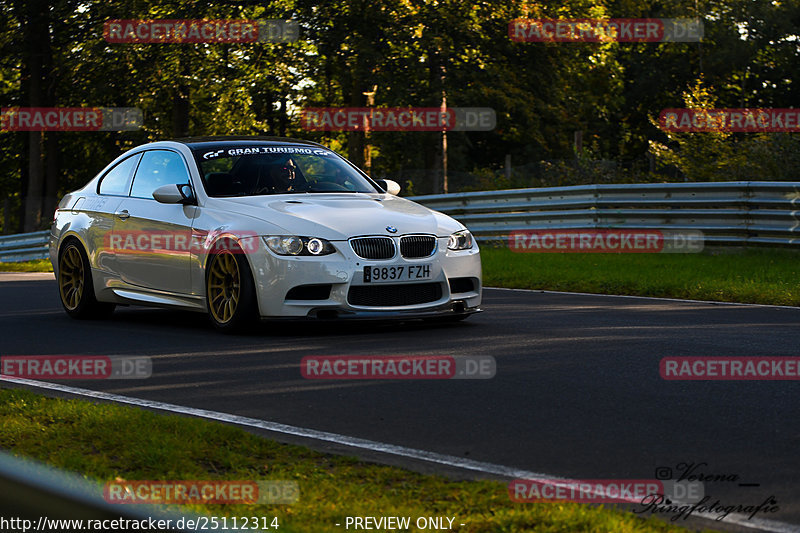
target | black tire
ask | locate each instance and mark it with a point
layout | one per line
(75, 287)
(231, 299)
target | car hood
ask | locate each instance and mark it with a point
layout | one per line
(338, 216)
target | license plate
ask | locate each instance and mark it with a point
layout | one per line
(380, 274)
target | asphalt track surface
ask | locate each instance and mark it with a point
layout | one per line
(577, 392)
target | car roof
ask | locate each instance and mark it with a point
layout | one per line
(200, 143)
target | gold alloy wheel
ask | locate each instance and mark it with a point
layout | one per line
(224, 287)
(70, 277)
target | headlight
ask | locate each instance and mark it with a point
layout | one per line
(460, 240)
(293, 245)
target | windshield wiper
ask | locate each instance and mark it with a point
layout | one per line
(317, 190)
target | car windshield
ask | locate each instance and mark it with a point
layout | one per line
(261, 170)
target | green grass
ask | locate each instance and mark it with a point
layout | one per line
(106, 441)
(753, 276)
(38, 265)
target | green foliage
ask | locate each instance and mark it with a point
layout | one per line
(411, 53)
(722, 155)
(705, 156)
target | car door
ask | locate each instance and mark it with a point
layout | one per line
(112, 189)
(152, 240)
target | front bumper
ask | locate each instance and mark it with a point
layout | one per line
(275, 276)
(455, 309)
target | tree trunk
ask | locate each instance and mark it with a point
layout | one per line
(180, 101)
(33, 198)
(269, 112)
(180, 113)
(35, 33)
(6, 216)
(52, 153)
(52, 166)
(355, 139)
(282, 117)
(24, 172)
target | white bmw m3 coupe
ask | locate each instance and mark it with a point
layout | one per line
(246, 228)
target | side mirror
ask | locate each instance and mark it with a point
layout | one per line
(392, 187)
(174, 194)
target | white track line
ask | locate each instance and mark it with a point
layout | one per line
(646, 298)
(374, 446)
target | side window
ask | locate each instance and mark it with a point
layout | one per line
(116, 180)
(158, 168)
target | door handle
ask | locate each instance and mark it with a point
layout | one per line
(123, 214)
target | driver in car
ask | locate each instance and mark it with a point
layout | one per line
(284, 176)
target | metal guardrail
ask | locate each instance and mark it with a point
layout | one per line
(730, 213)
(24, 246)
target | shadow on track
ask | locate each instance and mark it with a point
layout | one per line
(185, 320)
